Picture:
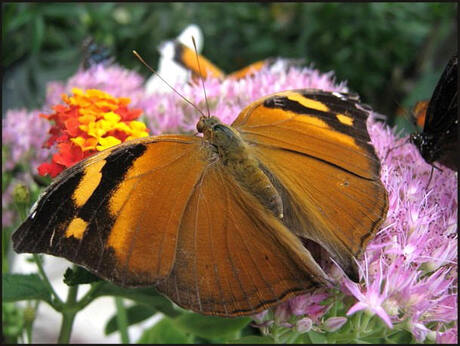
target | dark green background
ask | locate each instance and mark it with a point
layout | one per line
(391, 53)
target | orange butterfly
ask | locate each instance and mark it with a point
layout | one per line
(221, 223)
(187, 58)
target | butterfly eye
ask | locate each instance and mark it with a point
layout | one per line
(200, 126)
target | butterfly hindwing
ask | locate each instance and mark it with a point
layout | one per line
(234, 258)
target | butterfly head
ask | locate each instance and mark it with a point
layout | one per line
(426, 146)
(206, 125)
(223, 138)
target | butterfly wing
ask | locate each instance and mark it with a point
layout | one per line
(438, 141)
(233, 257)
(118, 212)
(274, 64)
(187, 58)
(316, 150)
(250, 69)
(442, 108)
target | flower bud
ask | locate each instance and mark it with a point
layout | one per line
(21, 194)
(333, 324)
(304, 325)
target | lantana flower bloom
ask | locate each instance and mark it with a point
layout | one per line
(91, 121)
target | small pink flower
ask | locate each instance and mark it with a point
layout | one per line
(308, 304)
(282, 314)
(332, 324)
(371, 297)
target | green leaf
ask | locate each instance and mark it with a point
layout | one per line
(69, 11)
(145, 296)
(12, 323)
(24, 287)
(253, 339)
(210, 327)
(400, 337)
(38, 34)
(16, 21)
(134, 314)
(163, 332)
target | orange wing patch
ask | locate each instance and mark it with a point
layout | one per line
(76, 228)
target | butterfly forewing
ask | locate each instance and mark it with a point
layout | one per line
(442, 108)
(438, 141)
(317, 124)
(117, 213)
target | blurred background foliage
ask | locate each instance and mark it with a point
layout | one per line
(390, 53)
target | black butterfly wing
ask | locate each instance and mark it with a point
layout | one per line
(438, 141)
(442, 109)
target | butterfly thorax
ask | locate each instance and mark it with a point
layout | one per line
(236, 157)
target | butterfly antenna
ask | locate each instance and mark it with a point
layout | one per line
(433, 167)
(158, 75)
(429, 179)
(201, 76)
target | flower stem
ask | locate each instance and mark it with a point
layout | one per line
(28, 329)
(292, 337)
(46, 281)
(365, 322)
(68, 315)
(356, 326)
(90, 295)
(122, 320)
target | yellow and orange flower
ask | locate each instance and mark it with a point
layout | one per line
(91, 121)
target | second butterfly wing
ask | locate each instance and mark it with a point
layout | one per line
(438, 140)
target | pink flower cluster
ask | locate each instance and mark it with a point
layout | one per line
(410, 268)
(408, 274)
(24, 133)
(113, 79)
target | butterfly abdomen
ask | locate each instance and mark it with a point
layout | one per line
(236, 157)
